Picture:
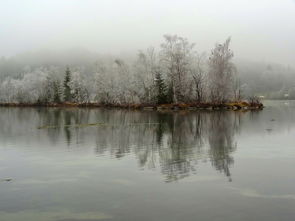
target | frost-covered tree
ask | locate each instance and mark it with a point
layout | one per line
(161, 90)
(52, 90)
(144, 75)
(67, 88)
(28, 89)
(7, 91)
(176, 57)
(57, 94)
(199, 77)
(79, 90)
(221, 73)
(175, 74)
(124, 93)
(103, 84)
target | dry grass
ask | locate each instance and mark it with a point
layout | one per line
(179, 106)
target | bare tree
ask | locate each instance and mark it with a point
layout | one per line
(221, 73)
(125, 94)
(198, 75)
(176, 57)
(145, 73)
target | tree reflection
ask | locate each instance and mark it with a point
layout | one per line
(222, 128)
(64, 122)
(172, 142)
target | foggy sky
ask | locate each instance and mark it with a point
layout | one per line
(261, 30)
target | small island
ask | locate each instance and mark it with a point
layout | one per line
(174, 78)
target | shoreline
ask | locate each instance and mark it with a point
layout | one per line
(180, 106)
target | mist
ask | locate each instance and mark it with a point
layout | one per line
(110, 41)
(261, 30)
(126, 110)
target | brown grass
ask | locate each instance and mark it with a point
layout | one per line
(179, 106)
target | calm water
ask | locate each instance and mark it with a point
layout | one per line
(94, 164)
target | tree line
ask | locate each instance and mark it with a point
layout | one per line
(176, 73)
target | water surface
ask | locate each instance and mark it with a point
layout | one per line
(97, 164)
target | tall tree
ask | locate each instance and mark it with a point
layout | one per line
(56, 91)
(79, 88)
(177, 56)
(67, 88)
(144, 70)
(161, 96)
(221, 73)
(198, 77)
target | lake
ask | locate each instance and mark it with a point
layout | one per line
(97, 164)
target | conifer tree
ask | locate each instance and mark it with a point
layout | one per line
(56, 92)
(161, 97)
(67, 89)
(170, 94)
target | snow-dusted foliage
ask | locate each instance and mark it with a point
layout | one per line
(174, 74)
(29, 89)
(177, 56)
(145, 70)
(79, 91)
(221, 73)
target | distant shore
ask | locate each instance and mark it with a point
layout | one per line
(181, 106)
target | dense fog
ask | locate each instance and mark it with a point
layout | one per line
(176, 73)
(109, 42)
(93, 71)
(261, 30)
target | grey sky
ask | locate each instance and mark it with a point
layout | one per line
(261, 30)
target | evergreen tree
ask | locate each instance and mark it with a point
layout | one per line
(170, 94)
(161, 97)
(67, 89)
(56, 92)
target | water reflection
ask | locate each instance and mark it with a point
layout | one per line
(89, 164)
(175, 142)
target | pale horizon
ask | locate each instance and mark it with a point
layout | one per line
(261, 31)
